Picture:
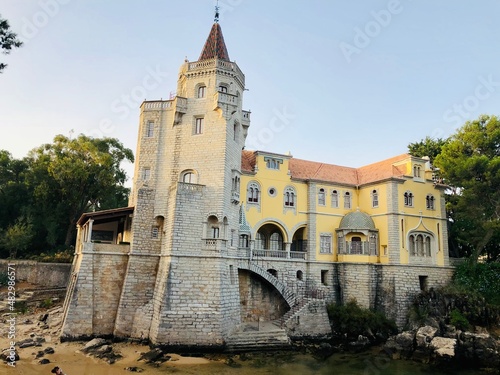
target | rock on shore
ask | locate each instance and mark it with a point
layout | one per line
(443, 347)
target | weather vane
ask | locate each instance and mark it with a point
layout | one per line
(217, 12)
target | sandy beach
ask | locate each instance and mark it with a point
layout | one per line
(69, 355)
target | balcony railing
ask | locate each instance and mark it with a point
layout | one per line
(280, 254)
(214, 244)
(358, 248)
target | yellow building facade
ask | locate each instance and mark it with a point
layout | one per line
(389, 212)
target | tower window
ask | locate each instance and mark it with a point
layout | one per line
(223, 88)
(201, 91)
(155, 230)
(198, 128)
(146, 174)
(189, 178)
(150, 128)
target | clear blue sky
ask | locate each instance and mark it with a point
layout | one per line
(343, 82)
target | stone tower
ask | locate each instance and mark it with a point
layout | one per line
(181, 286)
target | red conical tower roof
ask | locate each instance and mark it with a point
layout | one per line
(215, 46)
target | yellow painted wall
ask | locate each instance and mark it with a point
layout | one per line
(328, 218)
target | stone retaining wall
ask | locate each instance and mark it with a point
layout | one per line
(46, 275)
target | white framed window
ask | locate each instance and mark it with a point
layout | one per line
(321, 197)
(347, 200)
(198, 125)
(289, 197)
(272, 163)
(201, 91)
(145, 174)
(429, 202)
(335, 199)
(408, 199)
(253, 193)
(325, 241)
(417, 171)
(374, 198)
(420, 244)
(150, 129)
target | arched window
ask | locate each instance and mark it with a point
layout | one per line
(223, 88)
(289, 197)
(429, 202)
(374, 198)
(408, 199)
(321, 197)
(253, 193)
(417, 171)
(347, 200)
(335, 199)
(420, 244)
(213, 227)
(189, 177)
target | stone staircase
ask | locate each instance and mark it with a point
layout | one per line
(248, 338)
(301, 305)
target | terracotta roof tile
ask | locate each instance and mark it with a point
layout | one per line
(311, 170)
(214, 47)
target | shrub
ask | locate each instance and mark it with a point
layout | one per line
(458, 320)
(351, 320)
(481, 278)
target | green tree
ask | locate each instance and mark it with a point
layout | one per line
(470, 164)
(17, 238)
(427, 147)
(8, 40)
(71, 176)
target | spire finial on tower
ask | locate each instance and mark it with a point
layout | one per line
(216, 19)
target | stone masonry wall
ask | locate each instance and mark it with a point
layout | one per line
(47, 275)
(258, 300)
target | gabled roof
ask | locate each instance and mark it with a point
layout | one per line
(311, 170)
(215, 47)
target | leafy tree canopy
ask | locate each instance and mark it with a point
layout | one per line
(76, 175)
(470, 163)
(8, 40)
(427, 147)
(43, 195)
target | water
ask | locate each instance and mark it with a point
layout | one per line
(338, 364)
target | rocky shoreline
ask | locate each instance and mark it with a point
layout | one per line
(443, 347)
